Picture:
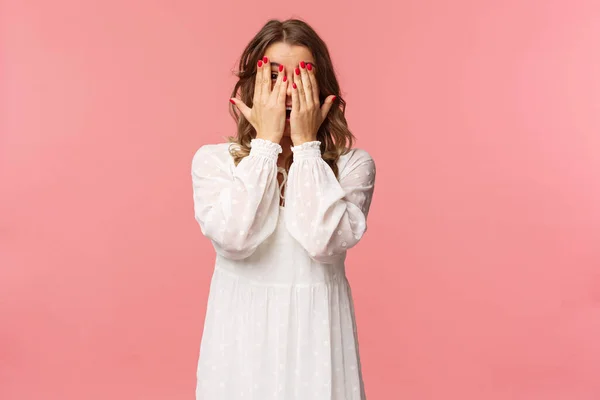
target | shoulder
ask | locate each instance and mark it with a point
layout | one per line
(357, 154)
(355, 158)
(217, 153)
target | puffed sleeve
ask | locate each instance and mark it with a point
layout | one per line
(236, 206)
(324, 215)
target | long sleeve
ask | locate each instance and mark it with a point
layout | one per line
(324, 215)
(236, 206)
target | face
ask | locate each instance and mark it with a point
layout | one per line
(289, 56)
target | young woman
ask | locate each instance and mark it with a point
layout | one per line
(282, 202)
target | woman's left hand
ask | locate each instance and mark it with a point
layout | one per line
(307, 112)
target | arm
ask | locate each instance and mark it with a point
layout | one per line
(328, 217)
(236, 206)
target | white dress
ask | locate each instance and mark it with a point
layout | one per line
(280, 316)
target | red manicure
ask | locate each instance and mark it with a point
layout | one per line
(280, 68)
(294, 86)
(297, 71)
(334, 97)
(265, 59)
(231, 101)
(285, 78)
(302, 64)
(309, 66)
(259, 63)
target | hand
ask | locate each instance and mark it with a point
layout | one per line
(267, 114)
(307, 113)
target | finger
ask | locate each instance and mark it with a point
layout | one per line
(306, 85)
(244, 109)
(283, 84)
(299, 89)
(258, 82)
(266, 69)
(313, 81)
(327, 104)
(295, 98)
(276, 87)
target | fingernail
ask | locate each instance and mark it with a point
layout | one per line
(259, 63)
(265, 60)
(285, 78)
(302, 64)
(280, 68)
(309, 66)
(334, 97)
(297, 71)
(231, 101)
(294, 86)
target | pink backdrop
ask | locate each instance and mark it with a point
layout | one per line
(479, 277)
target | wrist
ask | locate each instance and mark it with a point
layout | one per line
(271, 137)
(298, 140)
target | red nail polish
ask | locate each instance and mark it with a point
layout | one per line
(294, 85)
(231, 101)
(297, 71)
(285, 78)
(334, 97)
(309, 66)
(280, 68)
(265, 59)
(259, 63)
(302, 64)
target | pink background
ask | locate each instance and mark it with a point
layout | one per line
(479, 277)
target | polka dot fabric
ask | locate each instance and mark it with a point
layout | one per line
(326, 216)
(280, 316)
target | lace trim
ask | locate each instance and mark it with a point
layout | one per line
(265, 148)
(307, 149)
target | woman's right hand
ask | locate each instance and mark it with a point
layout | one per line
(267, 114)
